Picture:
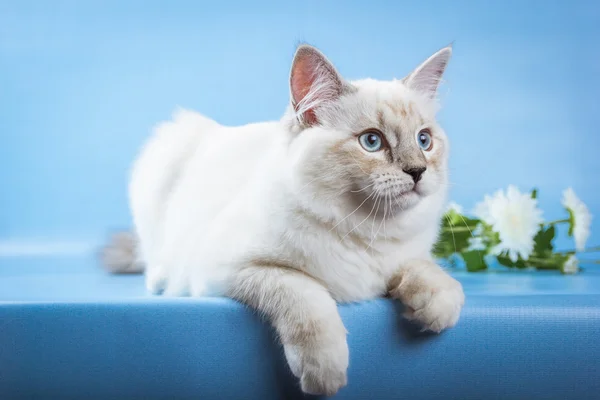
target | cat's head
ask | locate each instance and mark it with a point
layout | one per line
(358, 142)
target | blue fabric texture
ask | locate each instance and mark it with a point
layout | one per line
(70, 331)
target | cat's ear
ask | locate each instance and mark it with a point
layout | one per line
(313, 82)
(427, 76)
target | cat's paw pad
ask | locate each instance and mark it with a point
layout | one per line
(321, 369)
(433, 301)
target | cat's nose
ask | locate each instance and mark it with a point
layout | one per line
(416, 173)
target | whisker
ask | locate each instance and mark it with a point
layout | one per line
(361, 222)
(452, 231)
(377, 233)
(373, 226)
(397, 203)
(358, 165)
(387, 195)
(388, 200)
(311, 181)
(469, 229)
(376, 211)
(355, 210)
(365, 188)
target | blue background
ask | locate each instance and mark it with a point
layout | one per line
(82, 83)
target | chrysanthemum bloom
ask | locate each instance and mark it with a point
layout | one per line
(516, 217)
(579, 216)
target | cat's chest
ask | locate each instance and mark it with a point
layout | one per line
(353, 266)
(354, 274)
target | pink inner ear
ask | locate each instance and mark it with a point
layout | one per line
(310, 117)
(303, 77)
(313, 81)
(305, 72)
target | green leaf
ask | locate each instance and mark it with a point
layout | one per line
(469, 222)
(452, 218)
(507, 262)
(450, 242)
(474, 260)
(534, 194)
(543, 241)
(553, 261)
(489, 238)
(456, 230)
(442, 249)
(520, 263)
(456, 220)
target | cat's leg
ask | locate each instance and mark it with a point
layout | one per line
(156, 279)
(306, 318)
(154, 176)
(432, 297)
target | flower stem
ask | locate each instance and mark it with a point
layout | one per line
(457, 229)
(542, 263)
(588, 250)
(556, 221)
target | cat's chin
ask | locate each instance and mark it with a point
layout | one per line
(406, 200)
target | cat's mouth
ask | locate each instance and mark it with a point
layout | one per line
(407, 198)
(407, 190)
(391, 195)
(404, 194)
(417, 189)
(408, 193)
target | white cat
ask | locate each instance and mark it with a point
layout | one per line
(340, 200)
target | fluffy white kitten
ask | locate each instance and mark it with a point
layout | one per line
(340, 200)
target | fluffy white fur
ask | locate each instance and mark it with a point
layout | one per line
(285, 217)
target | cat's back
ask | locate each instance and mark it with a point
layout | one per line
(192, 146)
(189, 170)
(226, 149)
(227, 157)
(225, 165)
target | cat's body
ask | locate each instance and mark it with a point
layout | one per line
(291, 216)
(237, 200)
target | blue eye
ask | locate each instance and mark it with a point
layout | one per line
(370, 141)
(424, 140)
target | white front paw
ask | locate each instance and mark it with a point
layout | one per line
(156, 279)
(321, 368)
(432, 298)
(171, 283)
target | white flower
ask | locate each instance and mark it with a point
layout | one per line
(515, 217)
(582, 218)
(452, 206)
(571, 266)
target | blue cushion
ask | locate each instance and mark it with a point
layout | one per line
(69, 330)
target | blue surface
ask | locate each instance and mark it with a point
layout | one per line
(68, 330)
